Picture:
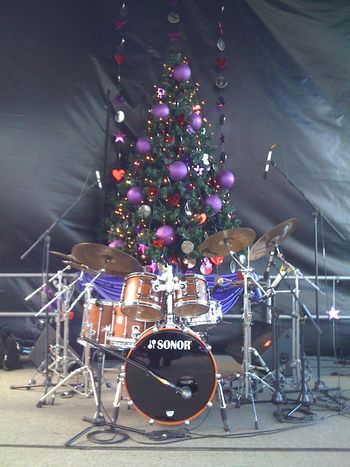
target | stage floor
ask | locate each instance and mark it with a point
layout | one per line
(32, 436)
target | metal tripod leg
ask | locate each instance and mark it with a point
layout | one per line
(86, 371)
(223, 404)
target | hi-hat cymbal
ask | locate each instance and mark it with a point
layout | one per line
(112, 260)
(221, 243)
(62, 255)
(272, 238)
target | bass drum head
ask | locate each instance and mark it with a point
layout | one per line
(180, 358)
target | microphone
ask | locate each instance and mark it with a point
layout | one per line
(269, 264)
(268, 161)
(98, 179)
(185, 392)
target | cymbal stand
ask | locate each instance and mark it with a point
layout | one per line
(304, 396)
(248, 377)
(89, 385)
(59, 361)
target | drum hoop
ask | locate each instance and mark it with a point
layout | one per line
(140, 274)
(200, 276)
(197, 338)
(141, 303)
(191, 302)
(93, 301)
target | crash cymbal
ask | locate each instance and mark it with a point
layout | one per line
(62, 255)
(79, 267)
(97, 256)
(221, 243)
(273, 238)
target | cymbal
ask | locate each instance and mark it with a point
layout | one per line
(79, 266)
(62, 255)
(97, 256)
(221, 243)
(272, 238)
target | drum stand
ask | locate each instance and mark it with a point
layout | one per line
(62, 357)
(89, 385)
(248, 377)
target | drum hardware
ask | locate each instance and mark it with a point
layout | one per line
(62, 358)
(98, 420)
(299, 314)
(88, 385)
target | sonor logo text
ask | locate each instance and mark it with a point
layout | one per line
(169, 344)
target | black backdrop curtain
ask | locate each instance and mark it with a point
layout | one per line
(288, 74)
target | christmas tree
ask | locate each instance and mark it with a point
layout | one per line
(172, 195)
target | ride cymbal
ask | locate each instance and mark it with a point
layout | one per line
(272, 238)
(221, 243)
(112, 260)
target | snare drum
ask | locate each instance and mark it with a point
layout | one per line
(192, 297)
(213, 316)
(179, 357)
(125, 330)
(97, 319)
(140, 299)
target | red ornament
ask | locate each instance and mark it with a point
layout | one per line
(240, 276)
(170, 139)
(152, 190)
(118, 174)
(158, 243)
(217, 261)
(174, 199)
(119, 58)
(180, 119)
(221, 62)
(174, 259)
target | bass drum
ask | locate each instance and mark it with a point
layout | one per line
(182, 359)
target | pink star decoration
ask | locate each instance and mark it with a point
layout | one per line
(198, 169)
(119, 137)
(332, 313)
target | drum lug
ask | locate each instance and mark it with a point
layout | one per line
(208, 348)
(151, 421)
(186, 422)
(130, 404)
(210, 404)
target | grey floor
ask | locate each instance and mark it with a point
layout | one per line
(32, 436)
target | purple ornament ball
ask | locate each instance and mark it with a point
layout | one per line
(195, 121)
(169, 240)
(226, 179)
(143, 145)
(134, 195)
(182, 72)
(177, 171)
(117, 243)
(164, 232)
(214, 202)
(160, 111)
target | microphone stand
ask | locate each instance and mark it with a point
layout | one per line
(316, 212)
(46, 238)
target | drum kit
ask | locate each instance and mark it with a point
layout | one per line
(168, 372)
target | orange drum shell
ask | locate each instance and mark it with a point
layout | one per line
(139, 300)
(193, 300)
(96, 319)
